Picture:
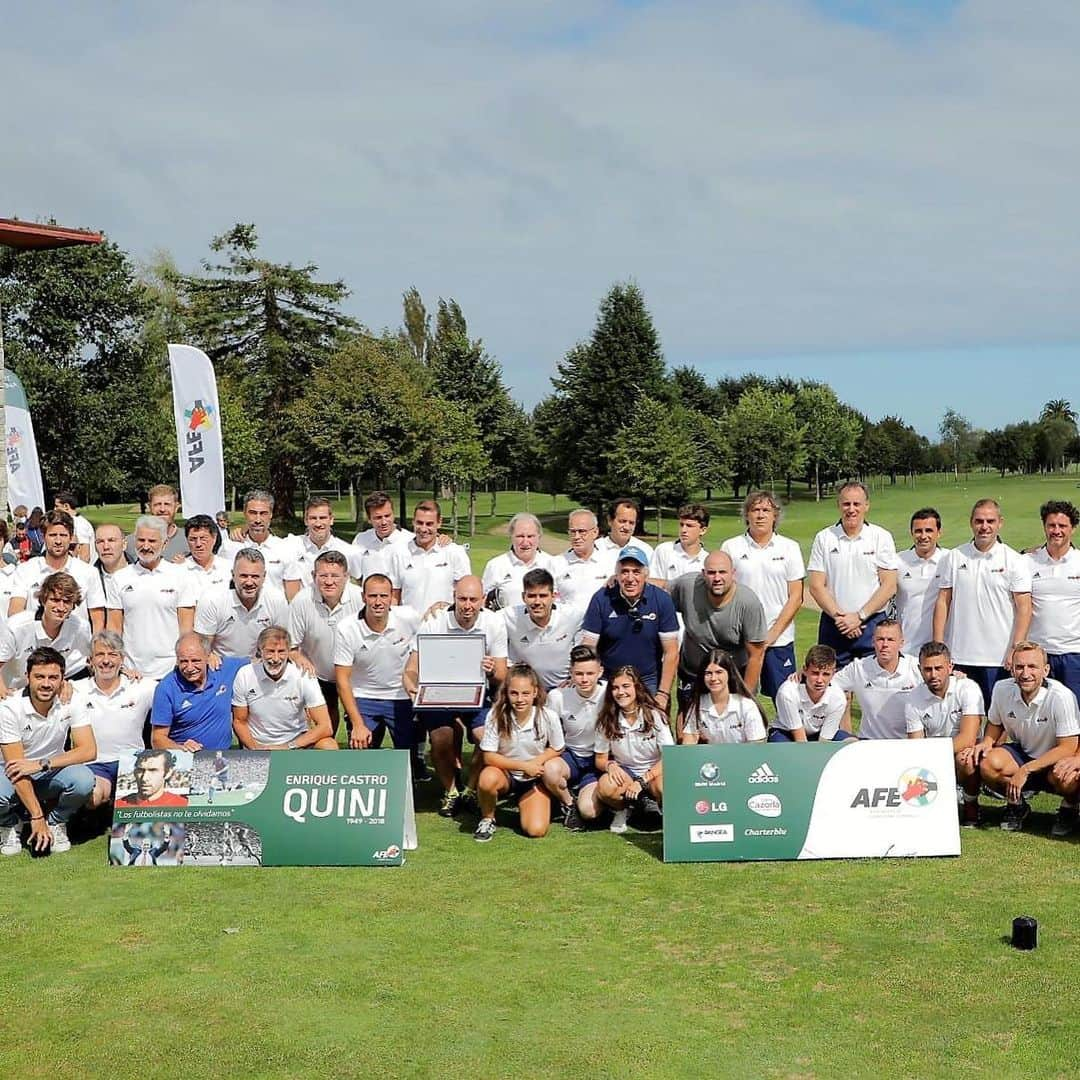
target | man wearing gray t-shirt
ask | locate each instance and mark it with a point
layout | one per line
(718, 614)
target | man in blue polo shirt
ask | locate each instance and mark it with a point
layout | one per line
(192, 704)
(633, 622)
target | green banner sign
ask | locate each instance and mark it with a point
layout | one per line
(263, 808)
(868, 799)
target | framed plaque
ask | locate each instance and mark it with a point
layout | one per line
(451, 671)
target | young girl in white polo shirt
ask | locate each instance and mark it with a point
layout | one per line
(722, 709)
(520, 738)
(631, 729)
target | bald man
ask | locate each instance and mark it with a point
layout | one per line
(718, 613)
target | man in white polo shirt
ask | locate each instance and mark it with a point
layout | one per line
(984, 601)
(276, 706)
(1039, 717)
(945, 707)
(623, 516)
(770, 566)
(503, 574)
(1055, 593)
(917, 580)
(233, 618)
(814, 708)
(423, 570)
(255, 533)
(852, 576)
(319, 537)
(372, 546)
(84, 531)
(314, 617)
(206, 570)
(585, 567)
(34, 730)
(157, 602)
(880, 683)
(540, 632)
(673, 558)
(370, 651)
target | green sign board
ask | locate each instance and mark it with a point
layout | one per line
(263, 808)
(866, 799)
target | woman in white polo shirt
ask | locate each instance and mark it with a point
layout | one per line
(631, 729)
(520, 738)
(722, 710)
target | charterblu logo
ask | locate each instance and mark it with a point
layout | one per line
(763, 775)
(765, 805)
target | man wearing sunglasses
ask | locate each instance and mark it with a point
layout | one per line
(633, 622)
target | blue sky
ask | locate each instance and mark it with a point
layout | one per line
(878, 194)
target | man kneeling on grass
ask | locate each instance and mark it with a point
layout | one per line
(275, 705)
(1039, 716)
(34, 728)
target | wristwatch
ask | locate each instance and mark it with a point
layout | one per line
(292, 745)
(43, 764)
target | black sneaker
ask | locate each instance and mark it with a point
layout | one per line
(647, 805)
(468, 803)
(1065, 822)
(448, 803)
(421, 774)
(485, 830)
(571, 819)
(1015, 816)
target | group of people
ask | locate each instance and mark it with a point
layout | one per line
(192, 636)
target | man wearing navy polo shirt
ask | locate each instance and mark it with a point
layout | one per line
(192, 704)
(633, 622)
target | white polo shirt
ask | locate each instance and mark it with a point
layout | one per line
(981, 615)
(215, 576)
(634, 748)
(576, 579)
(605, 543)
(373, 554)
(1035, 728)
(940, 717)
(578, 716)
(795, 710)
(41, 736)
(851, 564)
(276, 550)
(426, 577)
(670, 561)
(544, 648)
(527, 741)
(301, 567)
(875, 690)
(917, 585)
(504, 572)
(25, 632)
(220, 615)
(377, 659)
(150, 600)
(739, 722)
(489, 624)
(33, 572)
(8, 586)
(767, 570)
(276, 707)
(84, 532)
(117, 717)
(313, 625)
(1055, 601)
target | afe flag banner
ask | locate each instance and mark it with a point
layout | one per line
(23, 470)
(853, 800)
(263, 808)
(198, 431)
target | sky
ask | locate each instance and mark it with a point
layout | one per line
(880, 195)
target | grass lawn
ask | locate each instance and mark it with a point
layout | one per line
(573, 955)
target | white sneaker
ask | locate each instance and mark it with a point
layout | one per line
(60, 841)
(10, 840)
(618, 822)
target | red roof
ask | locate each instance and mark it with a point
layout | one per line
(26, 234)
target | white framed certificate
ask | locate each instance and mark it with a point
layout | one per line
(451, 671)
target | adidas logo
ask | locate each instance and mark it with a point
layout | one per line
(763, 775)
(185, 704)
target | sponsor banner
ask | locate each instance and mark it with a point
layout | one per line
(23, 470)
(263, 808)
(868, 799)
(198, 431)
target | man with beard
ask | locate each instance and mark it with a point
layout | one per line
(234, 618)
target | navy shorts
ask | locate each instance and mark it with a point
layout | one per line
(1065, 667)
(440, 718)
(848, 649)
(777, 666)
(780, 735)
(521, 787)
(105, 769)
(582, 769)
(1039, 781)
(984, 678)
(383, 716)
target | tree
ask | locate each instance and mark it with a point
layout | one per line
(956, 438)
(457, 451)
(417, 325)
(1059, 409)
(712, 455)
(599, 385)
(830, 433)
(270, 325)
(893, 447)
(765, 437)
(694, 392)
(653, 454)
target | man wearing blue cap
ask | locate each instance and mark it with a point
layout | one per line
(633, 622)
